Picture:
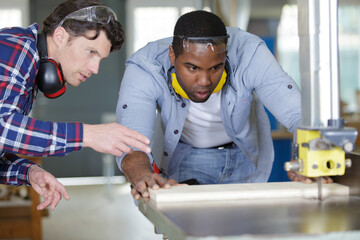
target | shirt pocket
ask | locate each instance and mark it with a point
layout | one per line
(240, 115)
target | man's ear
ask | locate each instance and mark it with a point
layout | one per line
(172, 55)
(60, 36)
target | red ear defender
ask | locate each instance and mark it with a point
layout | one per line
(49, 77)
(53, 85)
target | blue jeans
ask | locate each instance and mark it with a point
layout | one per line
(214, 166)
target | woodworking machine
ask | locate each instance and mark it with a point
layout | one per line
(322, 140)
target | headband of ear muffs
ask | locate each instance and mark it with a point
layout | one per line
(49, 78)
(178, 89)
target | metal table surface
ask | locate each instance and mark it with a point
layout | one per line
(333, 218)
(288, 218)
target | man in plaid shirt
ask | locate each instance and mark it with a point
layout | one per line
(79, 34)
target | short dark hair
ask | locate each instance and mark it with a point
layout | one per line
(197, 24)
(114, 30)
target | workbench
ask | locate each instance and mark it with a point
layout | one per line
(336, 217)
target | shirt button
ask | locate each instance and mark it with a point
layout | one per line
(290, 86)
(124, 106)
(176, 131)
(165, 154)
(183, 105)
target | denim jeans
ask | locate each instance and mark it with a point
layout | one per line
(214, 166)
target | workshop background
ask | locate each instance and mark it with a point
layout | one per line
(101, 206)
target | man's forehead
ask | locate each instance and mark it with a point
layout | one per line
(204, 60)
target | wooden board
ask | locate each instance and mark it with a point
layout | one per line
(185, 193)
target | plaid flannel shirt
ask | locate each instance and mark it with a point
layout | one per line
(19, 133)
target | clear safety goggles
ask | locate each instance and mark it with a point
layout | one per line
(96, 14)
(203, 44)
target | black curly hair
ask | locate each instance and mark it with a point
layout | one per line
(197, 24)
(114, 30)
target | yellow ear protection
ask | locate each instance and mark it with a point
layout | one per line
(178, 89)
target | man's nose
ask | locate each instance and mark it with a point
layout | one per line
(204, 79)
(94, 66)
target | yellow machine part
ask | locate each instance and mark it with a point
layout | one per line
(318, 163)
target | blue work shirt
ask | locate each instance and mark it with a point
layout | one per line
(254, 79)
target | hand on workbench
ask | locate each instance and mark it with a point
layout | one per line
(296, 177)
(114, 139)
(153, 181)
(46, 185)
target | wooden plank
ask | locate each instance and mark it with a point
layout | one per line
(215, 192)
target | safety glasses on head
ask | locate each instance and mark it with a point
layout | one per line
(96, 14)
(203, 44)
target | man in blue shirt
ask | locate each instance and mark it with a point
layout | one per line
(209, 84)
(76, 36)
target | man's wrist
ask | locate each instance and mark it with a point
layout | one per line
(30, 172)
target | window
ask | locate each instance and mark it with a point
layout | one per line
(154, 19)
(10, 17)
(14, 13)
(288, 42)
(149, 24)
(349, 52)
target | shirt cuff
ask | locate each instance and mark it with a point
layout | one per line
(21, 168)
